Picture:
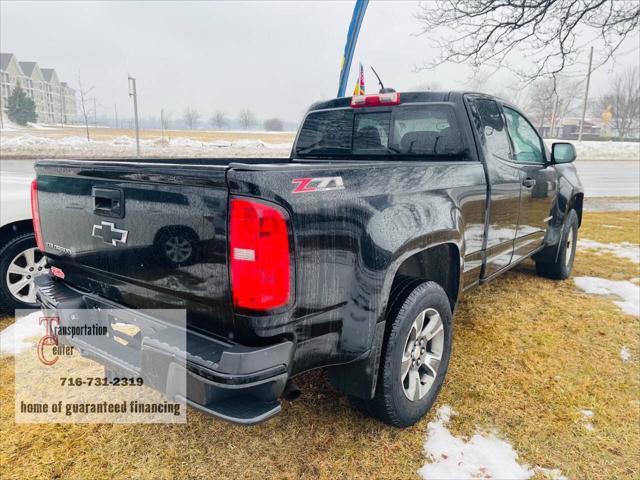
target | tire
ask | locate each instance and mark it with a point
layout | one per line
(562, 267)
(15, 254)
(391, 403)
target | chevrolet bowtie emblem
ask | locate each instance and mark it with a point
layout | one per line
(108, 232)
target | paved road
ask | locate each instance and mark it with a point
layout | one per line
(610, 178)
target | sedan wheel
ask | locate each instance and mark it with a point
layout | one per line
(178, 249)
(20, 263)
(22, 270)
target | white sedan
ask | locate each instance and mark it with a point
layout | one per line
(20, 260)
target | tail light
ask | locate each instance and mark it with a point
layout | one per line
(260, 255)
(377, 100)
(35, 215)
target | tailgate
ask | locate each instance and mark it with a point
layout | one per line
(144, 235)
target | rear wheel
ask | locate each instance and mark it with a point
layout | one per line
(20, 263)
(415, 357)
(563, 265)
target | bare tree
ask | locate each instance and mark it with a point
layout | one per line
(542, 97)
(219, 120)
(191, 117)
(83, 103)
(273, 125)
(247, 119)
(427, 87)
(623, 101)
(491, 33)
(165, 119)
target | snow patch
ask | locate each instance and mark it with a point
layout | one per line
(630, 251)
(21, 335)
(627, 292)
(586, 416)
(123, 140)
(483, 456)
(552, 473)
(185, 142)
(625, 354)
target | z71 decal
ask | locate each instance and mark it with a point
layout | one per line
(317, 184)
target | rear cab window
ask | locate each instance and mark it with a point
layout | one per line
(429, 130)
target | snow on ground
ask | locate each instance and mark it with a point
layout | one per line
(627, 292)
(625, 354)
(21, 335)
(124, 145)
(630, 251)
(22, 141)
(593, 150)
(587, 415)
(482, 456)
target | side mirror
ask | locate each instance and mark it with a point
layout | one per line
(563, 152)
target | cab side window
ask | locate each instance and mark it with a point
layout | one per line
(527, 144)
(492, 127)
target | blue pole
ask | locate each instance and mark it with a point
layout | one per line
(350, 46)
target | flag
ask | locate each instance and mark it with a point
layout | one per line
(359, 90)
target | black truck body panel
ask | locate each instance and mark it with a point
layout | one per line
(349, 245)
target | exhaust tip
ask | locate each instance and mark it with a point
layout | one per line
(291, 392)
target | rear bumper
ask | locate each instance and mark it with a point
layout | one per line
(230, 381)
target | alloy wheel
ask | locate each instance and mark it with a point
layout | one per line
(422, 354)
(22, 270)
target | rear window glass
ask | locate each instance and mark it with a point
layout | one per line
(420, 130)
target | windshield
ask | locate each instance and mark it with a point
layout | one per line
(417, 130)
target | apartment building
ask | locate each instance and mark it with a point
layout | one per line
(55, 100)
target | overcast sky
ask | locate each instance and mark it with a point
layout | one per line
(272, 57)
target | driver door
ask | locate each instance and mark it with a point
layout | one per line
(539, 183)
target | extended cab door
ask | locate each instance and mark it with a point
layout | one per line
(539, 184)
(504, 182)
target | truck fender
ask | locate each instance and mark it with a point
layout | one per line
(441, 237)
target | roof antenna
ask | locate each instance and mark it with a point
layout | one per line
(382, 89)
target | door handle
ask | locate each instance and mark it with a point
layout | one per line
(528, 182)
(108, 202)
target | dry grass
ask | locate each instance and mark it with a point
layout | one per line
(528, 354)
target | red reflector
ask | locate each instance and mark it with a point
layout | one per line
(259, 255)
(57, 272)
(377, 100)
(35, 215)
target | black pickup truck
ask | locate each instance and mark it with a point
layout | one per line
(350, 255)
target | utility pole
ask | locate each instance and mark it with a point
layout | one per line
(586, 95)
(553, 116)
(115, 110)
(95, 113)
(133, 93)
(162, 123)
(63, 94)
